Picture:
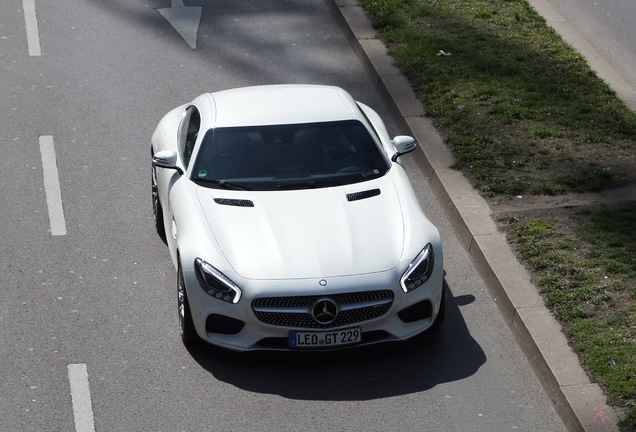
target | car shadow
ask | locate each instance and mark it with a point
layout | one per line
(447, 355)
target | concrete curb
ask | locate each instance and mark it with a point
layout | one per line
(581, 404)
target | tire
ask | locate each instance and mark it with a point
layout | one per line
(186, 325)
(157, 210)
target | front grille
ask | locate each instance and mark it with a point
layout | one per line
(295, 311)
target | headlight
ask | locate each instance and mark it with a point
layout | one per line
(419, 270)
(216, 283)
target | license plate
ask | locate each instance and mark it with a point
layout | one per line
(299, 339)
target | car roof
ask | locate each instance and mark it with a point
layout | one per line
(281, 104)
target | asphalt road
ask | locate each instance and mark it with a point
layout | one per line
(90, 309)
(608, 26)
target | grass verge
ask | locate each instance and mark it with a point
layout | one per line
(521, 110)
(584, 263)
(524, 114)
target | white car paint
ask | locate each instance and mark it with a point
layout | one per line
(301, 242)
(315, 233)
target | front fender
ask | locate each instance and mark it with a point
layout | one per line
(190, 236)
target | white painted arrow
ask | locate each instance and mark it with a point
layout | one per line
(184, 19)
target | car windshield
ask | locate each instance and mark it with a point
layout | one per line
(284, 157)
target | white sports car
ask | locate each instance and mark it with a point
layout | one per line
(291, 223)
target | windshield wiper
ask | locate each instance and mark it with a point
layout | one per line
(224, 184)
(308, 184)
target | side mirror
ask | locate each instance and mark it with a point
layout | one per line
(403, 144)
(166, 159)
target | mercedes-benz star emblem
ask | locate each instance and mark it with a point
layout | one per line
(324, 311)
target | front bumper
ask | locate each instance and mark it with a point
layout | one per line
(250, 326)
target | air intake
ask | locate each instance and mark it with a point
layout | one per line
(234, 202)
(356, 196)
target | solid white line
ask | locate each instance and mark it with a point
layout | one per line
(81, 398)
(52, 186)
(31, 22)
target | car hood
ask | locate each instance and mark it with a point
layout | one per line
(307, 233)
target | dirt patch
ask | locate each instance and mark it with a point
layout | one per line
(540, 204)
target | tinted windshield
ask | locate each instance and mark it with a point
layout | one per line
(289, 156)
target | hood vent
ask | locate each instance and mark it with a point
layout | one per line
(356, 196)
(234, 202)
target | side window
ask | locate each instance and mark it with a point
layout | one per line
(188, 132)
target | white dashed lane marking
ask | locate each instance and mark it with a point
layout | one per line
(31, 23)
(52, 186)
(81, 398)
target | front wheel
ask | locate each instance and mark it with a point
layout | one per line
(186, 325)
(157, 210)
